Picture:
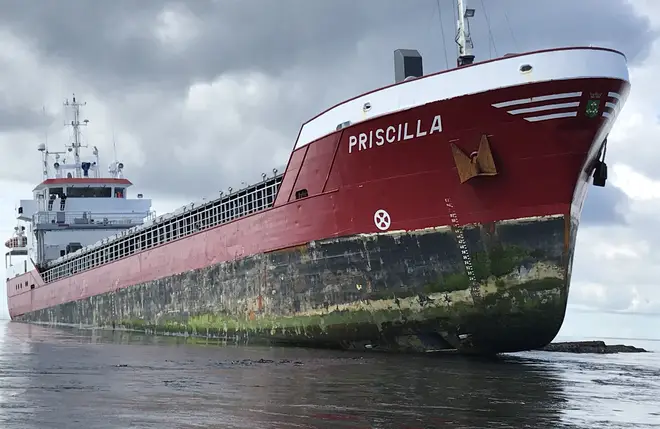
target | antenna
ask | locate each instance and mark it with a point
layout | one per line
(98, 161)
(75, 124)
(115, 168)
(43, 113)
(114, 144)
(43, 147)
(463, 38)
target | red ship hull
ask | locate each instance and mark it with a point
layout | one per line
(482, 266)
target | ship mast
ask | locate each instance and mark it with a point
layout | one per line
(75, 124)
(463, 38)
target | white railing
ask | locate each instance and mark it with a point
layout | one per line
(92, 218)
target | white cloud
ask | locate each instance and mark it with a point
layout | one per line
(618, 267)
(634, 184)
(233, 107)
(583, 324)
(176, 27)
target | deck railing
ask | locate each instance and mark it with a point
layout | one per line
(164, 229)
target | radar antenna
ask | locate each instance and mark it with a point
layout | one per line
(43, 147)
(75, 124)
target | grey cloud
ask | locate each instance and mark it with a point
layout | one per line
(13, 118)
(604, 206)
(616, 266)
(313, 53)
(113, 40)
(538, 25)
(639, 149)
(618, 300)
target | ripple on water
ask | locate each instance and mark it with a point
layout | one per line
(61, 379)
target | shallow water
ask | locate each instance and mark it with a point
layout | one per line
(51, 378)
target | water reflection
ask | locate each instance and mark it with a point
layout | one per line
(14, 379)
(55, 378)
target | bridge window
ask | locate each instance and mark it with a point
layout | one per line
(119, 192)
(89, 192)
(56, 191)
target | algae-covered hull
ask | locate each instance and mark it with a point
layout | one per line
(489, 288)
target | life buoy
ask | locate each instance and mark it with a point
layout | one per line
(16, 242)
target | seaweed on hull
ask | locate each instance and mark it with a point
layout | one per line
(598, 347)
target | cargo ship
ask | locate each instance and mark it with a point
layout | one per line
(437, 213)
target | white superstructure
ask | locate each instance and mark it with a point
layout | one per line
(74, 206)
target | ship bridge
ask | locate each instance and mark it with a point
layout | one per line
(85, 203)
(75, 204)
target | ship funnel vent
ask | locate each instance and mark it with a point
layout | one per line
(407, 65)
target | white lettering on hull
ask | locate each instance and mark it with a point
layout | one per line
(393, 134)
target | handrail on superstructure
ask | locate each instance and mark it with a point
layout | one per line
(90, 217)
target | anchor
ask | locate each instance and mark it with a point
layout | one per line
(479, 163)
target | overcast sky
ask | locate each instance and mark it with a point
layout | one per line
(203, 95)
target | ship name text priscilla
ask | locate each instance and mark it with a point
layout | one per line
(393, 134)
